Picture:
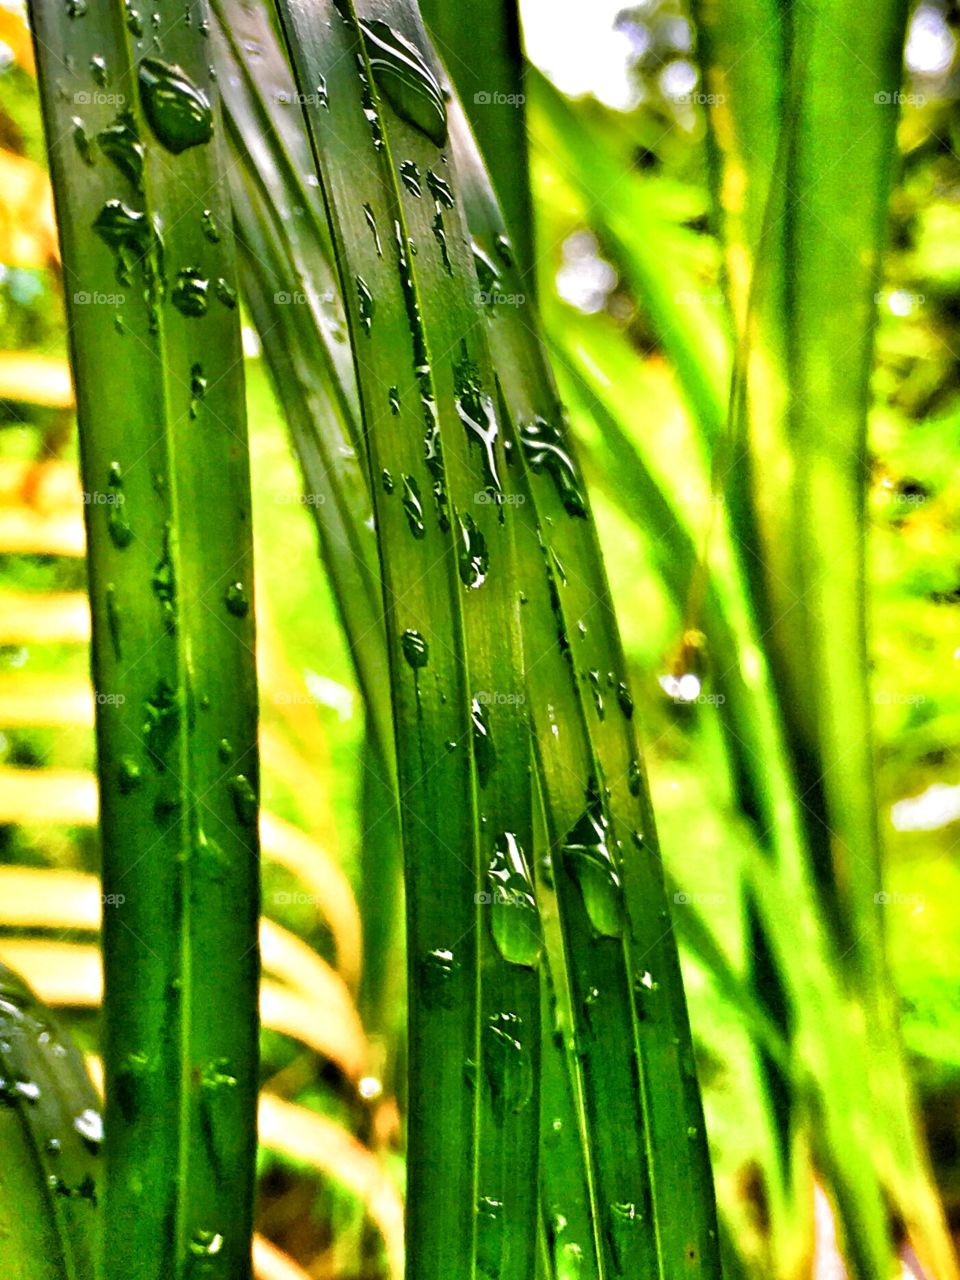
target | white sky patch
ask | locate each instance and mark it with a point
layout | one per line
(580, 49)
(930, 42)
(932, 809)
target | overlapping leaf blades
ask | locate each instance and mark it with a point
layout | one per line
(137, 156)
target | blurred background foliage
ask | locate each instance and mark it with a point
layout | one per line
(632, 117)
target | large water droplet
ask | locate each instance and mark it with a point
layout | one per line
(121, 144)
(244, 800)
(404, 78)
(544, 450)
(438, 973)
(588, 854)
(415, 649)
(413, 507)
(178, 110)
(235, 598)
(472, 555)
(190, 293)
(514, 919)
(121, 535)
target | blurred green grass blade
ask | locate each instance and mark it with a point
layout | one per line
(644, 1117)
(137, 156)
(50, 1135)
(481, 47)
(640, 239)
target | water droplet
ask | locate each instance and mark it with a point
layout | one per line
(367, 305)
(514, 918)
(404, 78)
(178, 110)
(488, 277)
(76, 8)
(438, 974)
(506, 1064)
(208, 224)
(190, 292)
(635, 777)
(372, 224)
(98, 66)
(413, 506)
(121, 144)
(121, 535)
(323, 98)
(593, 679)
(544, 450)
(589, 856)
(393, 395)
(410, 174)
(134, 20)
(484, 751)
(235, 598)
(225, 750)
(81, 140)
(226, 294)
(415, 649)
(475, 410)
(625, 1226)
(440, 189)
(625, 700)
(205, 1243)
(198, 388)
(244, 800)
(441, 238)
(386, 479)
(472, 554)
(505, 250)
(89, 1125)
(490, 1237)
(164, 581)
(129, 775)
